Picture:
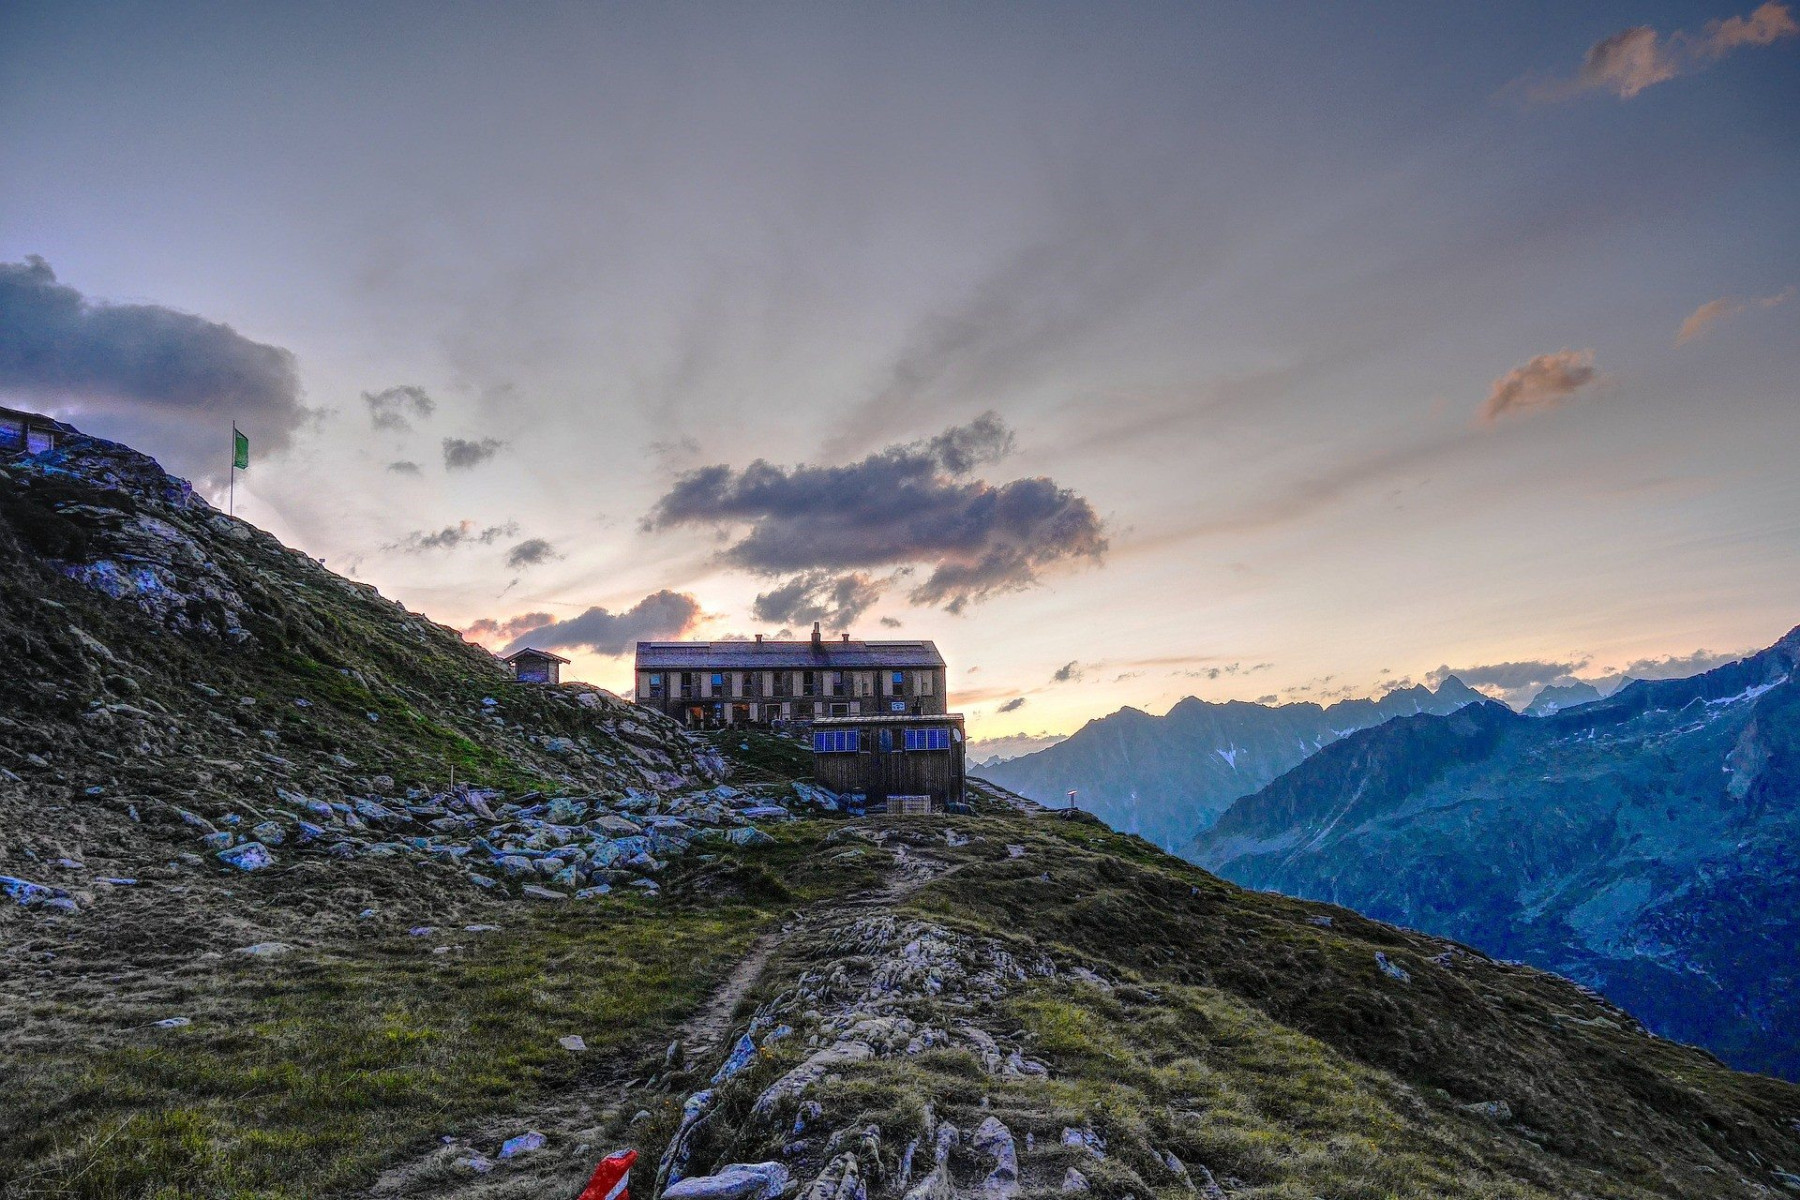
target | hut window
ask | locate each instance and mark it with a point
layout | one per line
(834, 741)
(39, 440)
(928, 739)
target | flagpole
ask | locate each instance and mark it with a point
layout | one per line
(231, 504)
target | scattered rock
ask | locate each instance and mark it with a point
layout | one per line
(525, 1143)
(1074, 1181)
(265, 949)
(24, 892)
(572, 1042)
(1390, 968)
(251, 856)
(1493, 1110)
(1085, 1139)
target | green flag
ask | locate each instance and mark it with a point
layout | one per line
(240, 449)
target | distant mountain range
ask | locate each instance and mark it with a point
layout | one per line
(1557, 696)
(1646, 844)
(1168, 777)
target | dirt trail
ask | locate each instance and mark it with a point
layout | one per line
(566, 1116)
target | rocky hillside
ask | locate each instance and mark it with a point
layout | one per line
(257, 943)
(1166, 778)
(1644, 844)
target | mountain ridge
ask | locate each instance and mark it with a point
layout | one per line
(1641, 844)
(1166, 777)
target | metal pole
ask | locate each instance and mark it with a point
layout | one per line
(231, 503)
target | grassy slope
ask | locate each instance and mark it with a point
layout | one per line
(1273, 1050)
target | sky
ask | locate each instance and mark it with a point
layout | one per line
(1247, 351)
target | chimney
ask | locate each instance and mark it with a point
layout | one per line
(818, 642)
(846, 639)
(759, 639)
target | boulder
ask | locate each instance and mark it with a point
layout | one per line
(736, 1181)
(994, 1139)
(251, 856)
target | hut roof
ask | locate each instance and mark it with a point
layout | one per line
(768, 655)
(528, 652)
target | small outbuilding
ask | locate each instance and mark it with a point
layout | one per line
(893, 764)
(24, 432)
(536, 666)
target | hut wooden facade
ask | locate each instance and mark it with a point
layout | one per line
(765, 682)
(536, 666)
(28, 432)
(894, 764)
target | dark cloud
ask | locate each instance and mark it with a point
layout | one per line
(1677, 666)
(910, 503)
(1516, 682)
(1067, 672)
(174, 380)
(890, 622)
(1544, 382)
(463, 533)
(510, 628)
(1013, 705)
(404, 468)
(833, 600)
(1508, 674)
(663, 614)
(394, 408)
(460, 455)
(1627, 62)
(530, 553)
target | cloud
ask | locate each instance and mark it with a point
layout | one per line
(835, 601)
(1236, 668)
(1066, 673)
(460, 455)
(1013, 705)
(663, 614)
(890, 622)
(488, 628)
(1508, 676)
(1544, 382)
(463, 533)
(1631, 60)
(404, 468)
(530, 553)
(1703, 318)
(983, 750)
(912, 503)
(175, 380)
(393, 408)
(1515, 683)
(1677, 666)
